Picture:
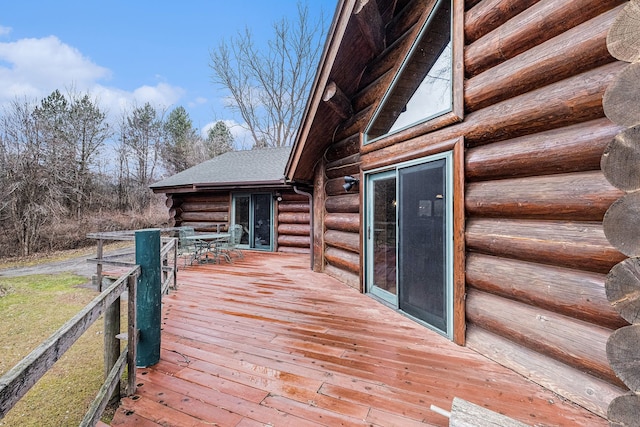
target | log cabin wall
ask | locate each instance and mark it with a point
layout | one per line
(204, 211)
(535, 197)
(292, 223)
(342, 212)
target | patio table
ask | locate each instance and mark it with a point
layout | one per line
(210, 239)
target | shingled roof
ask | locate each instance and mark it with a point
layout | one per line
(235, 169)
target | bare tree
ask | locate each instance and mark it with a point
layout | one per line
(29, 192)
(88, 132)
(269, 89)
(142, 136)
(72, 130)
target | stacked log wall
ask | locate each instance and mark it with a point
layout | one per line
(342, 211)
(293, 223)
(202, 211)
(535, 197)
(205, 211)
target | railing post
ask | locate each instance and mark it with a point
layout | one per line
(175, 263)
(111, 343)
(132, 335)
(149, 296)
(99, 266)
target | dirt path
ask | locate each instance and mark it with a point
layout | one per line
(77, 265)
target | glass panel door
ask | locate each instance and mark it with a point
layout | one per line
(254, 212)
(422, 254)
(261, 238)
(241, 215)
(409, 238)
(382, 236)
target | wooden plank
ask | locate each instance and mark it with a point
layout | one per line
(537, 24)
(567, 149)
(583, 196)
(580, 245)
(467, 414)
(293, 229)
(578, 344)
(348, 222)
(487, 15)
(294, 217)
(272, 342)
(110, 388)
(345, 260)
(346, 166)
(344, 203)
(565, 291)
(578, 50)
(319, 197)
(293, 206)
(294, 241)
(349, 278)
(570, 383)
(343, 240)
(18, 380)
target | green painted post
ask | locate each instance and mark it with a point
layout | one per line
(149, 297)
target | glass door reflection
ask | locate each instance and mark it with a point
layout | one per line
(382, 237)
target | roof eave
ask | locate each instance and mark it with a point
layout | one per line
(331, 49)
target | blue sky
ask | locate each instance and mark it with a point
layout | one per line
(125, 53)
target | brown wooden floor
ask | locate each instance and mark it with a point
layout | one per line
(267, 342)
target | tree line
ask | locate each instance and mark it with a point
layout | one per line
(62, 160)
(52, 151)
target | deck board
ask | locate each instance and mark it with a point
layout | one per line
(266, 341)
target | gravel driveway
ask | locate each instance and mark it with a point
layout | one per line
(77, 265)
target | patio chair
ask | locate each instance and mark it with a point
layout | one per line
(231, 246)
(189, 249)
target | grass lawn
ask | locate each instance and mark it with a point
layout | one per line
(31, 309)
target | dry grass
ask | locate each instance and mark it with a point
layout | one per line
(36, 259)
(71, 234)
(33, 308)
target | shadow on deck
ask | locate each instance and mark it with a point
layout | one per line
(266, 341)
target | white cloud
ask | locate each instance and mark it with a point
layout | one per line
(198, 101)
(42, 65)
(5, 30)
(33, 68)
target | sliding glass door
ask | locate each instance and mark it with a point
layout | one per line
(409, 239)
(255, 213)
(382, 229)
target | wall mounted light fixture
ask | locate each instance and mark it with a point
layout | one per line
(349, 182)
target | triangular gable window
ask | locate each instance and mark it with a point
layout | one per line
(423, 88)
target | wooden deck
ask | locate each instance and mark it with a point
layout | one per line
(267, 342)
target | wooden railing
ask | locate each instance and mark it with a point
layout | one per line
(169, 269)
(19, 380)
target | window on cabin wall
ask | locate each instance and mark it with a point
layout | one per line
(413, 208)
(423, 87)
